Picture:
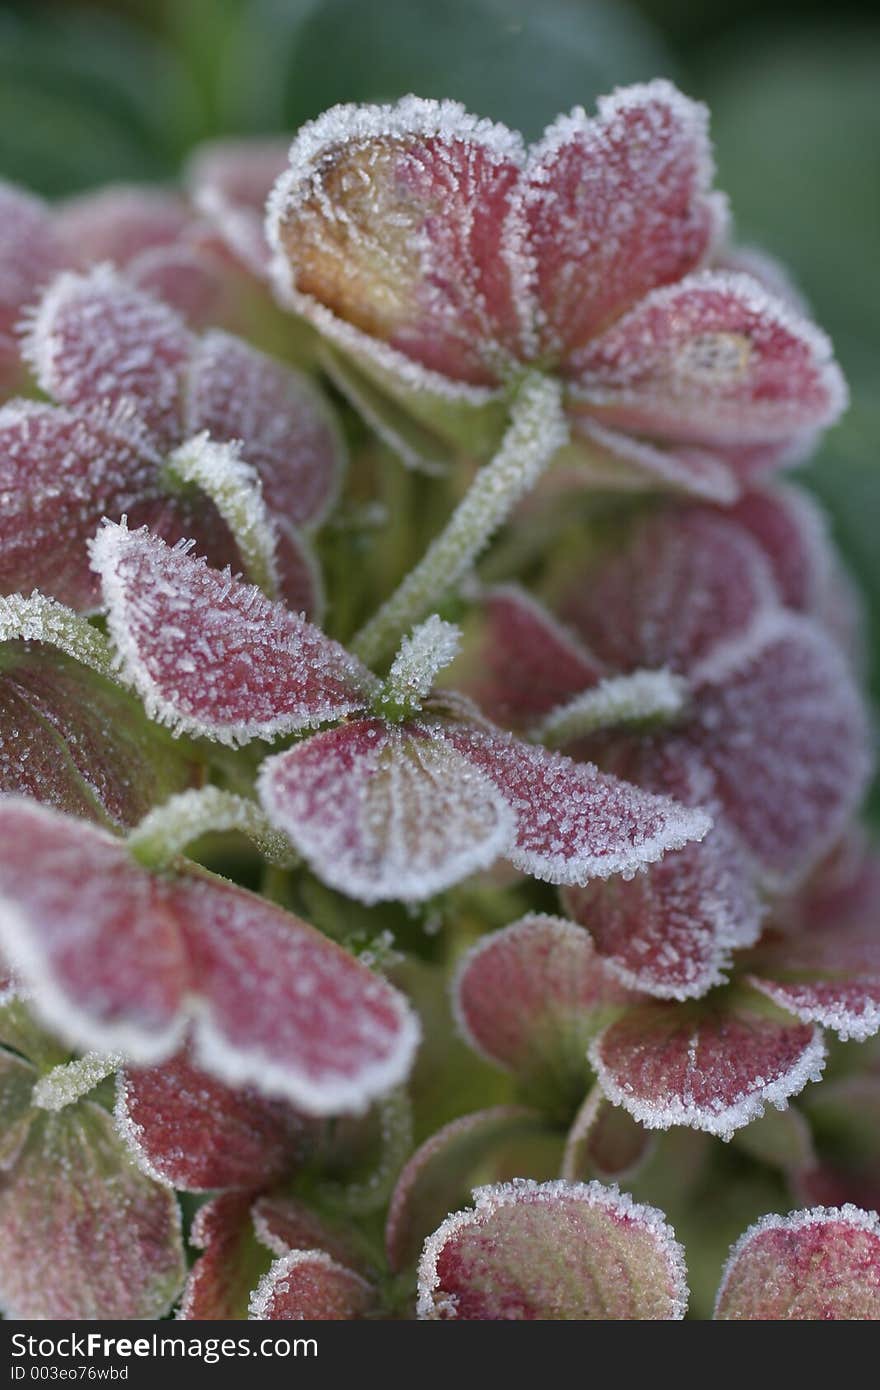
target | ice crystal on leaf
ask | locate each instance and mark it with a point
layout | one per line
(443, 256)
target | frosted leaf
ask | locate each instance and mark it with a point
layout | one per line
(671, 930)
(794, 533)
(218, 1287)
(529, 998)
(826, 967)
(17, 1077)
(810, 1266)
(714, 359)
(527, 662)
(285, 1223)
(64, 1085)
(219, 470)
(389, 233)
(189, 279)
(119, 222)
(96, 339)
(683, 581)
(185, 1128)
(757, 263)
(608, 459)
(60, 472)
(615, 206)
(638, 698)
(781, 723)
(438, 1175)
(29, 255)
(553, 1251)
(308, 1285)
(573, 822)
(70, 737)
(604, 1142)
(211, 655)
(693, 1064)
(429, 648)
(287, 431)
(384, 812)
(85, 1234)
(119, 958)
(229, 182)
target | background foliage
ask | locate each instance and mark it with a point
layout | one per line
(119, 90)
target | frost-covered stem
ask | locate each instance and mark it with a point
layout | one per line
(396, 1143)
(233, 486)
(641, 698)
(64, 1085)
(166, 831)
(537, 430)
(422, 655)
(41, 619)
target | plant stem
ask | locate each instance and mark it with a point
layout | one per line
(643, 699)
(166, 831)
(537, 430)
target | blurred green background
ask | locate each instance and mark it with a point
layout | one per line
(120, 89)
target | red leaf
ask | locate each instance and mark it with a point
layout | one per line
(553, 1251)
(810, 1266)
(219, 1284)
(211, 655)
(385, 812)
(230, 181)
(389, 229)
(530, 997)
(573, 822)
(119, 222)
(707, 1066)
(308, 1285)
(616, 206)
(287, 431)
(187, 1129)
(623, 463)
(712, 360)
(96, 339)
(122, 959)
(29, 254)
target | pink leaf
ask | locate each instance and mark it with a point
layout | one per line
(671, 929)
(187, 1129)
(308, 1285)
(60, 472)
(385, 812)
(684, 581)
(573, 822)
(122, 959)
(85, 1234)
(189, 279)
(287, 431)
(282, 1224)
(530, 997)
(811, 1266)
(616, 206)
(211, 655)
(219, 1284)
(622, 463)
(119, 222)
(29, 255)
(782, 726)
(709, 1067)
(76, 741)
(230, 181)
(529, 663)
(438, 1175)
(553, 1251)
(96, 339)
(714, 359)
(389, 232)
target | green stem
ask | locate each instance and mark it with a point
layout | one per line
(166, 831)
(642, 699)
(64, 1085)
(536, 432)
(41, 619)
